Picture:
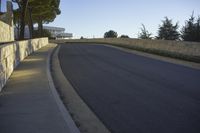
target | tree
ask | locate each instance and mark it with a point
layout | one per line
(124, 36)
(22, 4)
(36, 11)
(44, 11)
(30, 21)
(16, 21)
(110, 34)
(168, 31)
(27, 21)
(191, 30)
(144, 33)
(46, 33)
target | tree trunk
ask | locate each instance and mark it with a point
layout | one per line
(40, 28)
(30, 23)
(22, 18)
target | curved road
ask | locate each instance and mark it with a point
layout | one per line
(131, 93)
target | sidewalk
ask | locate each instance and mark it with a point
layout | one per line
(29, 103)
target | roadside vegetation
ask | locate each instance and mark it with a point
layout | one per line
(168, 31)
(144, 34)
(110, 34)
(124, 36)
(191, 30)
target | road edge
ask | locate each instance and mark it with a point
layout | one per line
(175, 61)
(65, 114)
(83, 116)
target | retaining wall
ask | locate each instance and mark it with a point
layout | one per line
(13, 53)
(6, 32)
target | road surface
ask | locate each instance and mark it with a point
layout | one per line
(131, 93)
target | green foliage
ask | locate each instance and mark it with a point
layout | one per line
(46, 33)
(191, 30)
(124, 36)
(110, 34)
(31, 12)
(168, 31)
(144, 33)
(44, 10)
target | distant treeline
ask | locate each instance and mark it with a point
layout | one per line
(168, 31)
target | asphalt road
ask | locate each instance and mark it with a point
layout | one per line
(131, 93)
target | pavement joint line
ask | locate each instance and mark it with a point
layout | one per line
(66, 116)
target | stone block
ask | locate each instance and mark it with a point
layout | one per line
(11, 55)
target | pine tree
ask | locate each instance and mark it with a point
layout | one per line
(191, 30)
(168, 31)
(31, 12)
(144, 33)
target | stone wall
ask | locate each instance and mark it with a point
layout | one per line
(6, 24)
(13, 53)
(6, 32)
(183, 49)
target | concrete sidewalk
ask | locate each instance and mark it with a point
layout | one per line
(29, 102)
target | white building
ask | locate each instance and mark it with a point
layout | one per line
(64, 36)
(56, 32)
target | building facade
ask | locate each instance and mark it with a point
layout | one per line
(56, 32)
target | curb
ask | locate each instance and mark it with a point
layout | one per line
(85, 118)
(65, 114)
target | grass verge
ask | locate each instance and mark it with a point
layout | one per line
(195, 59)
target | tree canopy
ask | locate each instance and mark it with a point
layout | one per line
(124, 36)
(110, 34)
(191, 30)
(44, 10)
(31, 12)
(168, 31)
(144, 34)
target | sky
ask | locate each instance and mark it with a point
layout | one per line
(92, 18)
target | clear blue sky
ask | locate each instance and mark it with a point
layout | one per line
(90, 18)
